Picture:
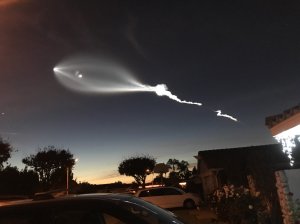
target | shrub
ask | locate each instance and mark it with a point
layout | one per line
(236, 205)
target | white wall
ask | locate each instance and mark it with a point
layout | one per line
(294, 182)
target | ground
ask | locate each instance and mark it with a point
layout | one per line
(195, 216)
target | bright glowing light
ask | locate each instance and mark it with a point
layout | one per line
(160, 89)
(219, 113)
(90, 75)
(78, 74)
(182, 184)
(153, 185)
(287, 140)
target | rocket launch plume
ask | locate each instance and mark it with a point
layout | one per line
(91, 75)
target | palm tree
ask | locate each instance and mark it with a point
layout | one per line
(183, 169)
(173, 163)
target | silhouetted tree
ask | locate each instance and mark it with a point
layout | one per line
(29, 182)
(51, 164)
(194, 171)
(173, 164)
(180, 169)
(5, 152)
(9, 178)
(137, 167)
(15, 182)
(183, 170)
(161, 169)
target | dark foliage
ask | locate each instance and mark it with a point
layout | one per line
(137, 167)
(51, 164)
(180, 171)
(5, 152)
(237, 205)
(15, 182)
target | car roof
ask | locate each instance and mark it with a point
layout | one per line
(111, 201)
(83, 197)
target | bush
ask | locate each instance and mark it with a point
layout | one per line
(236, 205)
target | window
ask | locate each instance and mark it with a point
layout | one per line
(144, 194)
(157, 192)
(171, 191)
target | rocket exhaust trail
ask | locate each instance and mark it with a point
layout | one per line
(162, 90)
(219, 113)
(89, 75)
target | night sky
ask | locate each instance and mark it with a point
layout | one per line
(240, 57)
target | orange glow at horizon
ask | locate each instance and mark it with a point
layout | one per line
(7, 2)
(110, 180)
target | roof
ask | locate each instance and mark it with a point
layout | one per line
(274, 120)
(239, 157)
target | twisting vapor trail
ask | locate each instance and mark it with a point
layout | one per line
(162, 90)
(219, 113)
(90, 75)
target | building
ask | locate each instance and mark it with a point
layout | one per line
(285, 128)
(261, 168)
(256, 167)
(236, 165)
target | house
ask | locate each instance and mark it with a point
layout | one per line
(263, 169)
(260, 168)
(285, 128)
(238, 165)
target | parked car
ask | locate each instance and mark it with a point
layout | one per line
(169, 197)
(86, 209)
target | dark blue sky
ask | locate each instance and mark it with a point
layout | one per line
(240, 57)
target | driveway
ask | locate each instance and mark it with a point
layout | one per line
(195, 216)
